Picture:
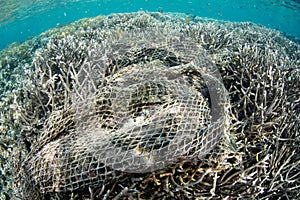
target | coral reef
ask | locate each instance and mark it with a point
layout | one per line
(58, 86)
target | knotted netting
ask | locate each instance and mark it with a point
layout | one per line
(140, 102)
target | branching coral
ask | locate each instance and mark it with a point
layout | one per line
(150, 62)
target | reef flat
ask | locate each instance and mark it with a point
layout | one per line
(258, 156)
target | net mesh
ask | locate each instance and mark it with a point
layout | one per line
(140, 102)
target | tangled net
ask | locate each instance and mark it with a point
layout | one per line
(138, 107)
(146, 105)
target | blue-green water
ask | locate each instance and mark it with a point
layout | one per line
(21, 20)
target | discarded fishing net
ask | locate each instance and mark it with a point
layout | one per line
(138, 103)
(146, 105)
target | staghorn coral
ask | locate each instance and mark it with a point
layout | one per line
(75, 76)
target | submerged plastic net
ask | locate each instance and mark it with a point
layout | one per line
(140, 106)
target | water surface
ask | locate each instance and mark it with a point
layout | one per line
(21, 20)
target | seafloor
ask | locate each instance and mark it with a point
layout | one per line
(260, 68)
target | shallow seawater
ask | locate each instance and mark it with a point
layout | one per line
(146, 99)
(21, 20)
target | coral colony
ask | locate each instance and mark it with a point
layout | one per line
(151, 106)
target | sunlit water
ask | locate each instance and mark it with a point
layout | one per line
(21, 20)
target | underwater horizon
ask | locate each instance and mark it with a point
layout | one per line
(22, 20)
